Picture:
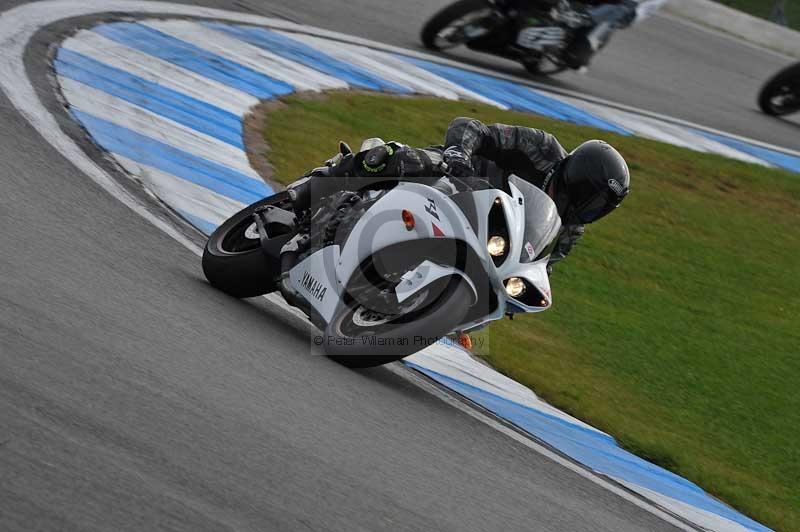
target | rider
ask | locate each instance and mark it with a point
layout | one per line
(586, 184)
(596, 18)
(620, 12)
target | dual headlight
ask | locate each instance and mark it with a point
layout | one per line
(515, 286)
(525, 293)
(496, 246)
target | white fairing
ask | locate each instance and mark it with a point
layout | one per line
(316, 279)
(423, 275)
(435, 216)
(525, 206)
(539, 211)
(529, 214)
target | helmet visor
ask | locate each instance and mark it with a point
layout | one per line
(598, 205)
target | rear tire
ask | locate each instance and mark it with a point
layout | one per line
(781, 94)
(542, 66)
(235, 262)
(445, 18)
(434, 320)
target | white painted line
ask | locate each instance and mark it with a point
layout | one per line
(269, 64)
(120, 112)
(159, 71)
(17, 26)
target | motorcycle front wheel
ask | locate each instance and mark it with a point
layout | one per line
(360, 336)
(456, 24)
(781, 94)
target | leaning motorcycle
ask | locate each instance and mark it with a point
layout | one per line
(545, 39)
(390, 268)
(781, 94)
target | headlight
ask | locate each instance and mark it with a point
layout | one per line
(496, 246)
(515, 287)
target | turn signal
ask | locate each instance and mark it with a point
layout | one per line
(465, 341)
(408, 219)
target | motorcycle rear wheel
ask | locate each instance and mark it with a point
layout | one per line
(233, 260)
(542, 66)
(781, 94)
(456, 17)
(360, 338)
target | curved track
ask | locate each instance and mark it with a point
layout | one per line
(134, 396)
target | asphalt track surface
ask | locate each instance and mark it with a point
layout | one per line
(135, 397)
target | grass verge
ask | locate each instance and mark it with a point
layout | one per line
(763, 9)
(675, 323)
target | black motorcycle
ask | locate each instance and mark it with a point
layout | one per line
(545, 38)
(781, 94)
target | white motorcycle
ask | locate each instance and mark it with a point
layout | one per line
(386, 271)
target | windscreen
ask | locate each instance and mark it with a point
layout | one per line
(542, 222)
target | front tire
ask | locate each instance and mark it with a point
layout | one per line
(233, 260)
(358, 340)
(448, 17)
(781, 94)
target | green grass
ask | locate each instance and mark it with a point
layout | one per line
(763, 9)
(676, 321)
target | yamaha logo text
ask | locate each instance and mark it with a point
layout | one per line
(313, 287)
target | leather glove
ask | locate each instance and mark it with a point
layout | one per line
(458, 164)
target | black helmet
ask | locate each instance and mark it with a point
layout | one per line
(595, 177)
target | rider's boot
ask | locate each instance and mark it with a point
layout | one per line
(565, 13)
(599, 22)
